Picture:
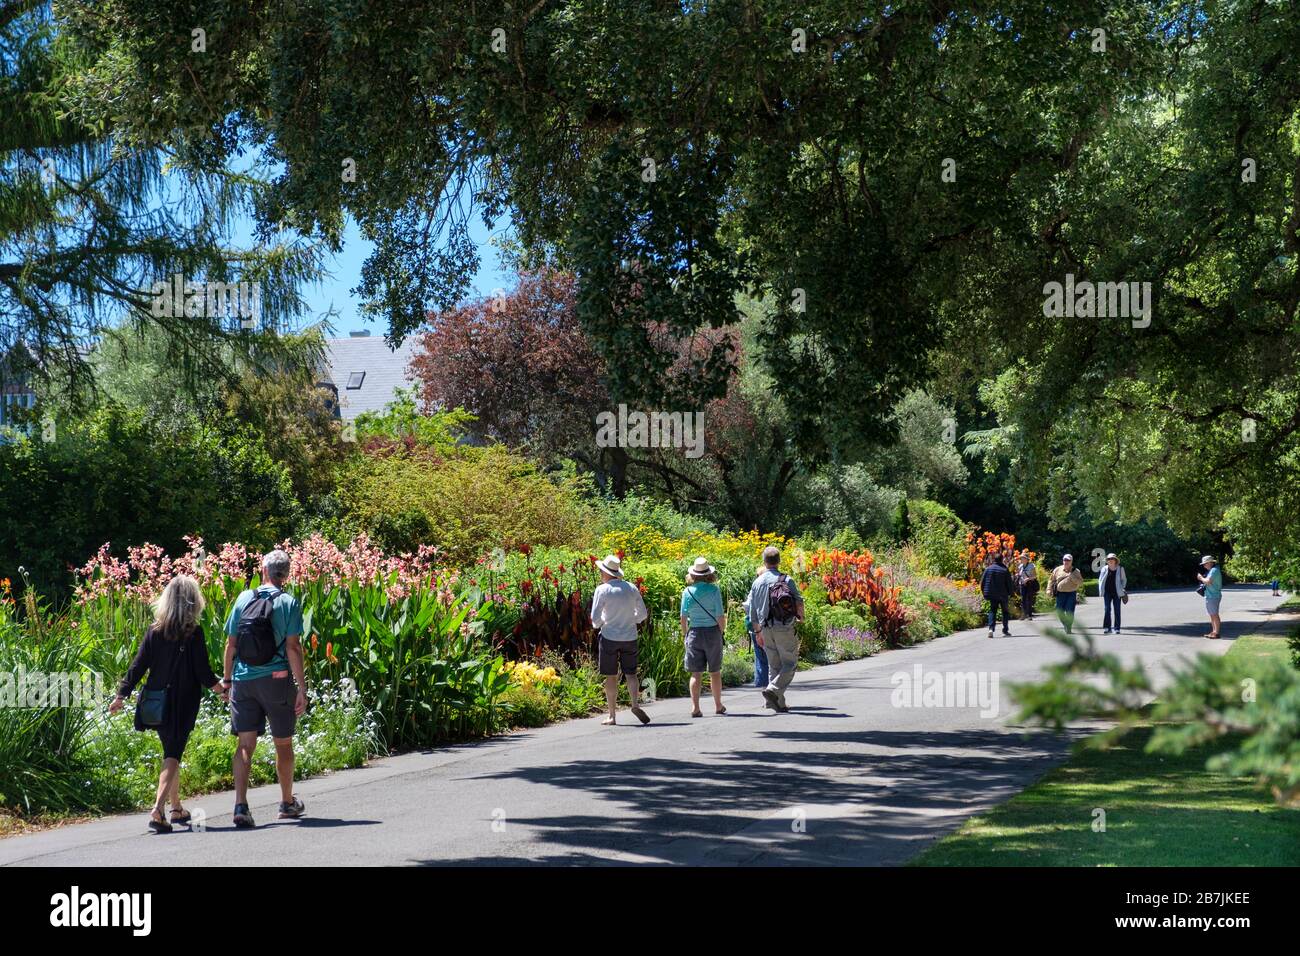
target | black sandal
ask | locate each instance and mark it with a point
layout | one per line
(180, 819)
(159, 826)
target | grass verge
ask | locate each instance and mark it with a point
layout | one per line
(1159, 810)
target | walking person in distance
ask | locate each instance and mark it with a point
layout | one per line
(1063, 587)
(775, 606)
(995, 585)
(616, 609)
(704, 621)
(175, 656)
(1112, 585)
(264, 671)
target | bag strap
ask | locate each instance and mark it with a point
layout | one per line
(697, 603)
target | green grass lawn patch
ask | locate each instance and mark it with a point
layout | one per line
(1159, 810)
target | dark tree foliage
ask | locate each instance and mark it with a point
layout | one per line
(671, 156)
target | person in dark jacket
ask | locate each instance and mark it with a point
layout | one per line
(995, 585)
(175, 656)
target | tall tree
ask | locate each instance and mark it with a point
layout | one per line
(88, 224)
(671, 155)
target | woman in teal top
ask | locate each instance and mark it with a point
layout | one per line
(704, 619)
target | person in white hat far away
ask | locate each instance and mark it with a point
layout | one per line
(1112, 585)
(616, 610)
(1063, 586)
(704, 621)
(1212, 585)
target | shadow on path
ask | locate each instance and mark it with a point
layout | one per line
(677, 810)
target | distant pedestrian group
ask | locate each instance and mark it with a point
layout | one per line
(264, 681)
(772, 608)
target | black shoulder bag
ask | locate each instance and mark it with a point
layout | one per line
(151, 708)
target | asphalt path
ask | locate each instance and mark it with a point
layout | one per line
(849, 776)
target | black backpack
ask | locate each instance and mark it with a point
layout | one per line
(255, 641)
(781, 603)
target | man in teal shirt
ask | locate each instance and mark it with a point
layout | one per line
(262, 693)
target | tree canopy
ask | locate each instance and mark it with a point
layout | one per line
(898, 183)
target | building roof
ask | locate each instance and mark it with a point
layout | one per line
(366, 372)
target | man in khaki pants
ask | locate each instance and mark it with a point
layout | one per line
(775, 605)
(1063, 587)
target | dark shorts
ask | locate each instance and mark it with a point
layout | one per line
(254, 703)
(704, 649)
(614, 654)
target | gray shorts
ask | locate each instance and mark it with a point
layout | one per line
(704, 649)
(616, 654)
(255, 702)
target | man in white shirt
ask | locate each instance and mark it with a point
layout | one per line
(616, 610)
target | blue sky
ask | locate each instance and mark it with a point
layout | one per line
(345, 274)
(344, 269)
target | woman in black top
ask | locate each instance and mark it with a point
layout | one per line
(175, 656)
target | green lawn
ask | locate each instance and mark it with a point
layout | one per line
(1160, 811)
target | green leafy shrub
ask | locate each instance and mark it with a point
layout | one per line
(117, 475)
(466, 503)
(847, 539)
(938, 537)
(529, 706)
(636, 510)
(920, 627)
(737, 667)
(581, 688)
(662, 586)
(812, 630)
(662, 657)
(848, 615)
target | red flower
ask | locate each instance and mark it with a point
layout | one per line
(525, 586)
(525, 549)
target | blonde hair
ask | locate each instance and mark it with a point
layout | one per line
(177, 609)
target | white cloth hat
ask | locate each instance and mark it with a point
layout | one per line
(611, 565)
(701, 568)
(1111, 555)
(1208, 559)
(1067, 557)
